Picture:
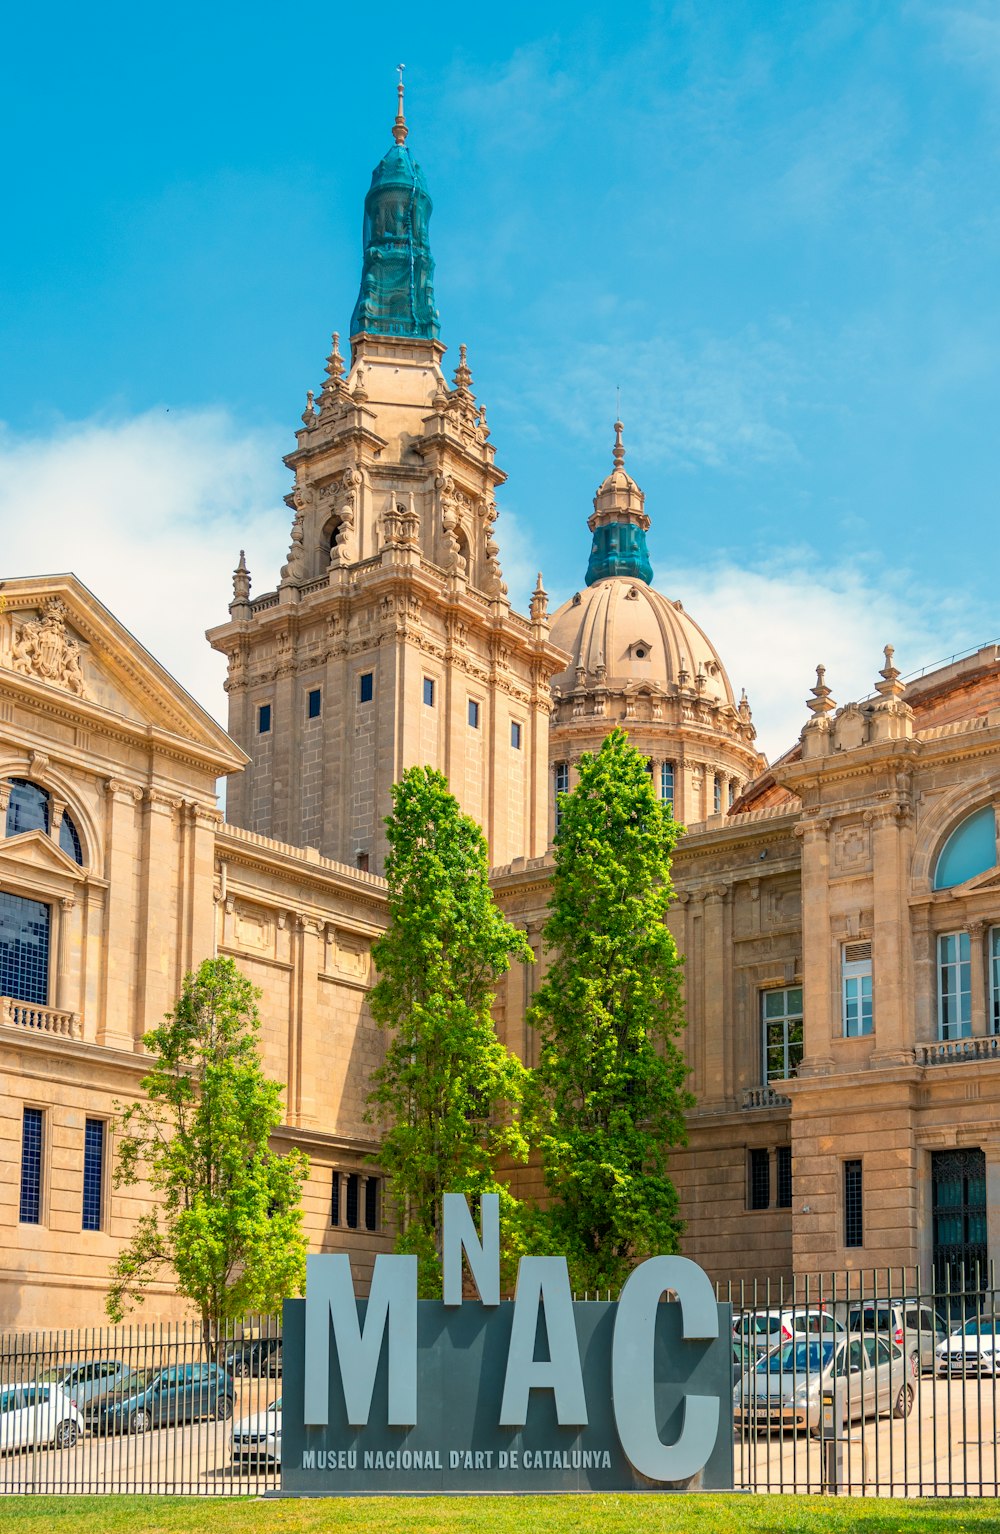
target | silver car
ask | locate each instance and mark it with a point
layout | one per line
(865, 1376)
(913, 1324)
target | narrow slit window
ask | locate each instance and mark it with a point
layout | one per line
(335, 1198)
(93, 1174)
(667, 782)
(264, 719)
(371, 1203)
(784, 1170)
(353, 1193)
(760, 1179)
(515, 735)
(314, 703)
(32, 1133)
(853, 1225)
(429, 691)
(473, 714)
(366, 687)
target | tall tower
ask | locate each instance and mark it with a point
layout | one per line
(390, 640)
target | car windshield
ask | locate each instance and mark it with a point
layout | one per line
(761, 1325)
(871, 1320)
(798, 1358)
(982, 1326)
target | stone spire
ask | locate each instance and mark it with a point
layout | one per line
(821, 701)
(397, 273)
(619, 524)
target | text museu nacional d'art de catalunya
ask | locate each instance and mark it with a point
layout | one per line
(544, 1393)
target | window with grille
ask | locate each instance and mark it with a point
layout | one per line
(853, 1225)
(353, 1195)
(954, 985)
(371, 1203)
(32, 1131)
(69, 839)
(667, 782)
(782, 1027)
(28, 809)
(93, 1174)
(784, 1171)
(24, 949)
(856, 978)
(995, 979)
(335, 1199)
(760, 1179)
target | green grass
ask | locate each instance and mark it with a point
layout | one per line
(494, 1515)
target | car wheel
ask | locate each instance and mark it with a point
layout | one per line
(140, 1422)
(223, 1408)
(915, 1363)
(903, 1404)
(67, 1434)
(240, 1367)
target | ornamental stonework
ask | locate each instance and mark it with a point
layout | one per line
(42, 648)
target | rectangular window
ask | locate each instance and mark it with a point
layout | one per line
(784, 1171)
(853, 1226)
(25, 930)
(473, 714)
(366, 687)
(954, 986)
(264, 719)
(717, 795)
(93, 1174)
(335, 1199)
(782, 1024)
(857, 990)
(760, 1179)
(667, 782)
(429, 691)
(995, 979)
(562, 787)
(371, 1203)
(314, 703)
(353, 1192)
(32, 1131)
(732, 792)
(515, 735)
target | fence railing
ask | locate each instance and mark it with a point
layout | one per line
(873, 1383)
(141, 1409)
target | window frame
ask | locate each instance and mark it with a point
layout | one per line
(314, 703)
(101, 1174)
(785, 1018)
(473, 713)
(516, 734)
(758, 1178)
(264, 719)
(994, 963)
(783, 1177)
(39, 1191)
(854, 1203)
(366, 687)
(853, 972)
(667, 774)
(961, 1028)
(428, 692)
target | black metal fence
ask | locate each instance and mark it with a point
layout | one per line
(870, 1384)
(141, 1409)
(866, 1383)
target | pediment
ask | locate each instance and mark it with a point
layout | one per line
(35, 853)
(54, 633)
(990, 880)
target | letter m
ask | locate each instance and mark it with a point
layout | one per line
(392, 1306)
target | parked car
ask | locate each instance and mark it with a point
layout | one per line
(257, 1439)
(868, 1375)
(36, 1413)
(913, 1325)
(766, 1328)
(973, 1349)
(182, 1393)
(257, 1355)
(83, 1381)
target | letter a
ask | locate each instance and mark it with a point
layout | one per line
(543, 1280)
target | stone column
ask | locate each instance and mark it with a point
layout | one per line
(199, 939)
(64, 990)
(818, 1008)
(714, 989)
(117, 1019)
(306, 951)
(891, 968)
(159, 974)
(980, 1012)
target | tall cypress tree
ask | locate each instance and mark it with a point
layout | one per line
(449, 1094)
(611, 1076)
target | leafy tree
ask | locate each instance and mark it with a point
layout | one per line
(610, 1076)
(449, 1094)
(227, 1219)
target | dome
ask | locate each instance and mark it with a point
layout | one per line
(622, 633)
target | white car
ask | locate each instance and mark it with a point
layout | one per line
(973, 1349)
(258, 1438)
(764, 1329)
(33, 1413)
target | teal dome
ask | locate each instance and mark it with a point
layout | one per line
(397, 273)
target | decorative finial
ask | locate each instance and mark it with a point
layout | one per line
(619, 448)
(360, 392)
(890, 685)
(399, 128)
(463, 375)
(539, 601)
(309, 413)
(335, 362)
(241, 580)
(821, 702)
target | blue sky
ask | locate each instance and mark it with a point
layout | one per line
(774, 226)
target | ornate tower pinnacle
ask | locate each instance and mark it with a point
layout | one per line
(399, 128)
(619, 523)
(397, 271)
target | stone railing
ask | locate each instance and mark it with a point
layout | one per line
(954, 1051)
(24, 1014)
(763, 1097)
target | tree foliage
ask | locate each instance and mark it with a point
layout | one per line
(610, 1076)
(226, 1218)
(449, 1094)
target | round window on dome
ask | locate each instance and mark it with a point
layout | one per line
(640, 654)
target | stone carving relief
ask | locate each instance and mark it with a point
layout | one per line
(43, 648)
(852, 849)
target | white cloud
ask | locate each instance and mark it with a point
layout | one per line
(150, 513)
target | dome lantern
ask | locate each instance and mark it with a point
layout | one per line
(619, 523)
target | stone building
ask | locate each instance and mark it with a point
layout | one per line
(839, 911)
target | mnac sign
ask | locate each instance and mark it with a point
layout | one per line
(542, 1394)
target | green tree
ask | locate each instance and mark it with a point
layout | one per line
(610, 1078)
(448, 1095)
(226, 1219)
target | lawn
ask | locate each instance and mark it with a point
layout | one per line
(493, 1515)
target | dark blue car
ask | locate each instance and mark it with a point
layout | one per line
(182, 1393)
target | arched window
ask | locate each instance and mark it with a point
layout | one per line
(69, 839)
(28, 809)
(970, 849)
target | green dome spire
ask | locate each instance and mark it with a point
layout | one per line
(619, 525)
(397, 273)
